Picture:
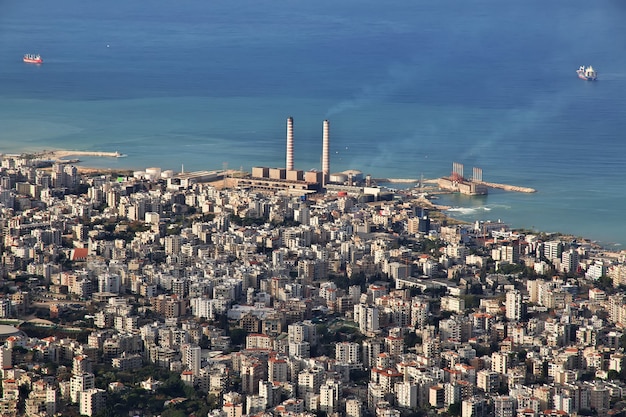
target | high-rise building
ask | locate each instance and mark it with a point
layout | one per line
(552, 250)
(514, 305)
(6, 360)
(82, 382)
(92, 401)
(367, 317)
(277, 370)
(500, 362)
(371, 349)
(172, 244)
(330, 393)
(406, 394)
(193, 356)
(109, 283)
(569, 261)
(354, 407)
(504, 406)
(347, 352)
(80, 365)
(310, 381)
(474, 407)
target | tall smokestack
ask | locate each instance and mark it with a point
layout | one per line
(289, 165)
(325, 152)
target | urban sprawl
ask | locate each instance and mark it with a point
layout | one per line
(222, 295)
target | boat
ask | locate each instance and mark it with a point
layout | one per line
(587, 73)
(33, 59)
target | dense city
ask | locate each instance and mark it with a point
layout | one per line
(224, 294)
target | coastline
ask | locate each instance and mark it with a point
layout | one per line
(439, 210)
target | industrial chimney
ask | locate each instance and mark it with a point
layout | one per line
(289, 165)
(325, 153)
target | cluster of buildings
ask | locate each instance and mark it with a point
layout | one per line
(320, 303)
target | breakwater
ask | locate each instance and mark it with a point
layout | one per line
(60, 154)
(395, 180)
(508, 187)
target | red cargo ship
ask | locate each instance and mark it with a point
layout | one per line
(33, 59)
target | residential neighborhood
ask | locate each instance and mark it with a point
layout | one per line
(152, 293)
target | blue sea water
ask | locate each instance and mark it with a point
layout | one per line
(408, 87)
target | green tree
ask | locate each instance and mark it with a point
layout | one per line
(454, 409)
(604, 283)
(238, 336)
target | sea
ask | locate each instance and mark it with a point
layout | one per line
(409, 87)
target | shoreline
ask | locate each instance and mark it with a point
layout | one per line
(57, 155)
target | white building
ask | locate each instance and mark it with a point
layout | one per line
(277, 369)
(330, 394)
(192, 356)
(82, 382)
(310, 381)
(474, 407)
(406, 394)
(504, 406)
(487, 380)
(92, 401)
(347, 352)
(367, 318)
(109, 283)
(500, 362)
(514, 306)
(354, 407)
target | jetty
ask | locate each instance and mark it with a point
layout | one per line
(60, 154)
(508, 187)
(396, 180)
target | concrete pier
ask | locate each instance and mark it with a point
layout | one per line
(508, 187)
(60, 154)
(396, 180)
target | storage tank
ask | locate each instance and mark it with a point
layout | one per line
(153, 172)
(356, 175)
(338, 178)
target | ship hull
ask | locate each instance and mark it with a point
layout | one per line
(582, 76)
(32, 59)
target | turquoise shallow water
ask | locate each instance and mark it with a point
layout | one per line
(409, 87)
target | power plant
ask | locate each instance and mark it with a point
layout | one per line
(296, 181)
(458, 183)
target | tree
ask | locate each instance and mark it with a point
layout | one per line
(238, 336)
(411, 339)
(454, 409)
(605, 283)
